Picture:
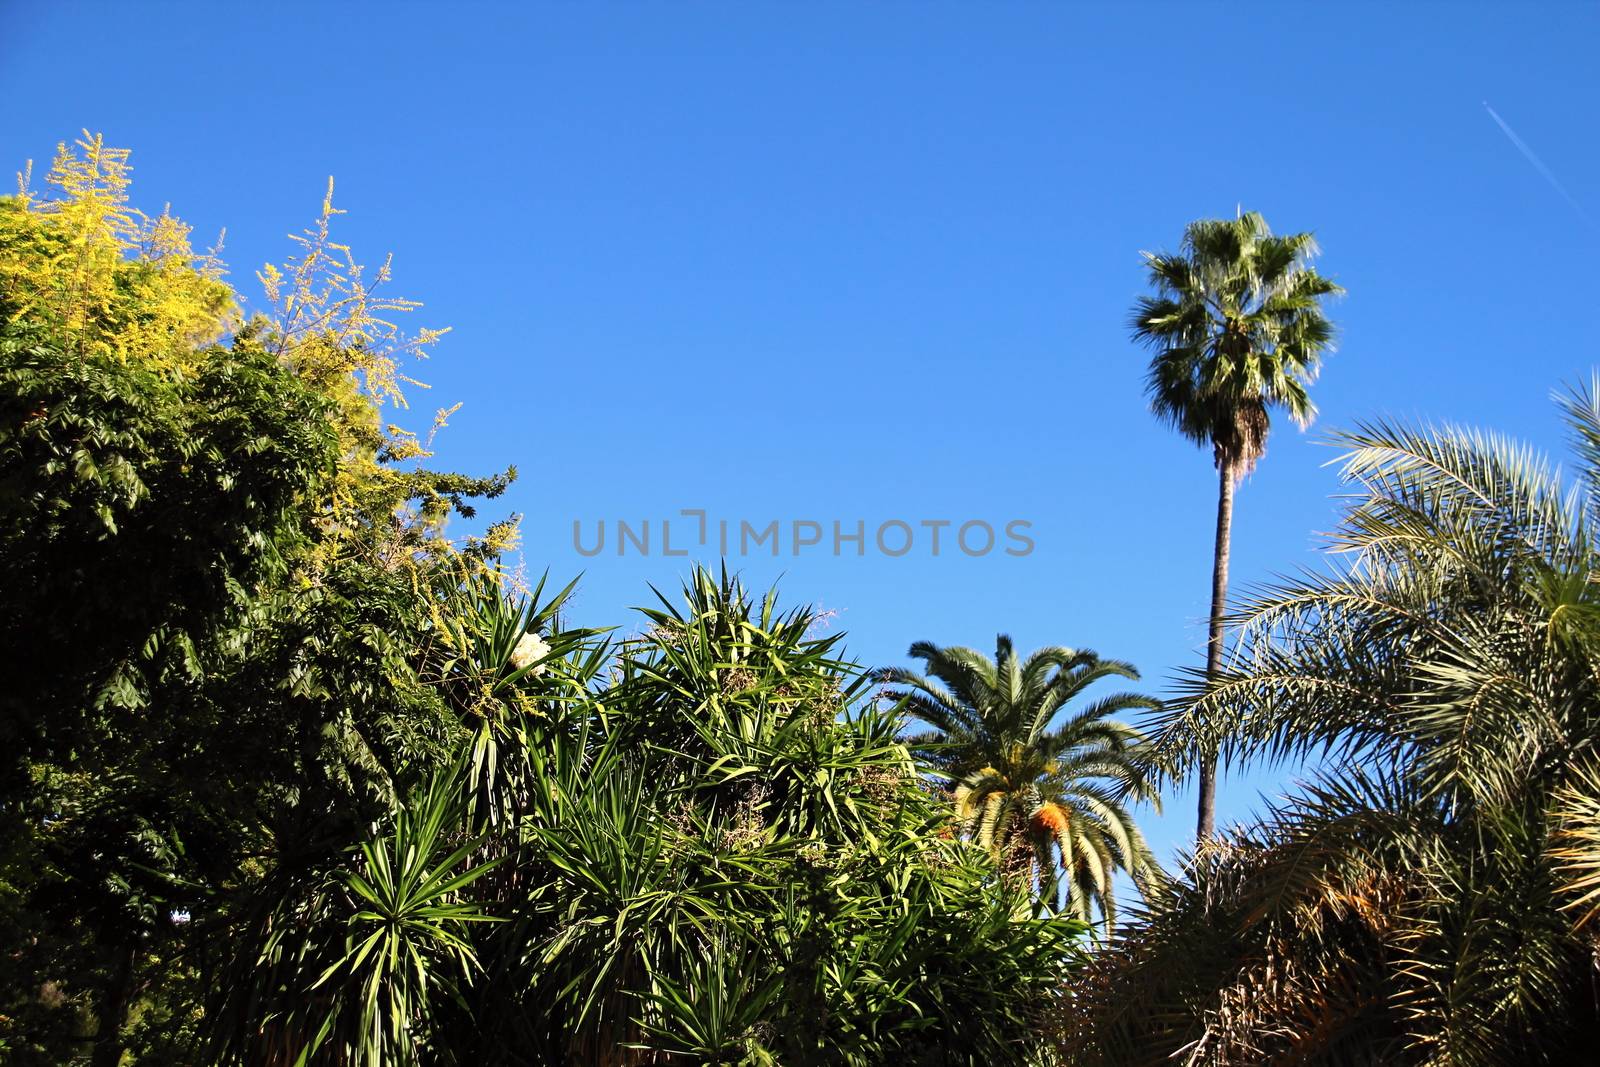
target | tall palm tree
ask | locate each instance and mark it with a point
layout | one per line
(1046, 797)
(1430, 897)
(1237, 328)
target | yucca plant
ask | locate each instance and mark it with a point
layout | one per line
(501, 661)
(704, 845)
(716, 1010)
(406, 945)
(742, 802)
(350, 964)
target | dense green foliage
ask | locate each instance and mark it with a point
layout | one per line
(289, 777)
(700, 843)
(206, 670)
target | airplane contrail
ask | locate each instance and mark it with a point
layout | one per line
(1538, 164)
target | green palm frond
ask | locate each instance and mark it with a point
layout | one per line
(1012, 736)
(1427, 898)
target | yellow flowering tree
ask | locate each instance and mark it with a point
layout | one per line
(235, 561)
(129, 286)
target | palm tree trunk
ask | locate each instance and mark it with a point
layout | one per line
(1206, 822)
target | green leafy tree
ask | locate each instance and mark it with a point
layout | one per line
(146, 509)
(1046, 793)
(1237, 329)
(231, 585)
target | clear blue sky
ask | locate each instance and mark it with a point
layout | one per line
(874, 261)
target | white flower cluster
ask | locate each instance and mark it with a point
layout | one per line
(530, 649)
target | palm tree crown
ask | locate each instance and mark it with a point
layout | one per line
(1236, 325)
(1036, 791)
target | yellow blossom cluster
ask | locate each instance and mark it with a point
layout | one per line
(116, 283)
